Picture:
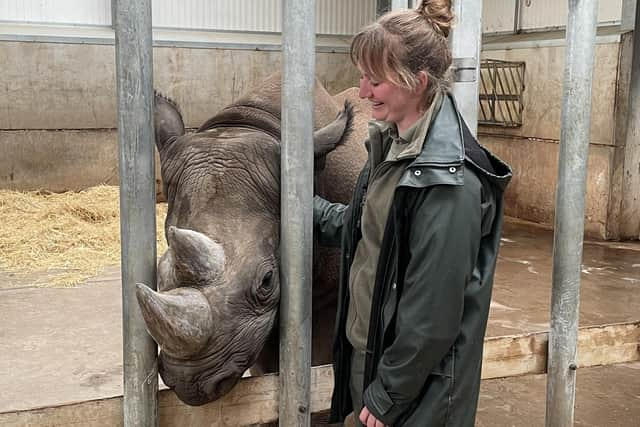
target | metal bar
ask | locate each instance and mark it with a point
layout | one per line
(134, 74)
(484, 96)
(502, 105)
(494, 86)
(496, 105)
(521, 71)
(465, 44)
(632, 180)
(484, 76)
(298, 50)
(569, 222)
(517, 18)
(512, 103)
(511, 98)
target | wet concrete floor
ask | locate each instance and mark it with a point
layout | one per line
(606, 396)
(609, 289)
(62, 345)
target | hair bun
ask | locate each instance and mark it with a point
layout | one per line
(438, 13)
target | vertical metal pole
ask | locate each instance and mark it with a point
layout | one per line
(632, 138)
(517, 17)
(298, 79)
(569, 215)
(465, 46)
(137, 204)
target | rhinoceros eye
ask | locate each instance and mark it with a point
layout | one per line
(264, 289)
(267, 280)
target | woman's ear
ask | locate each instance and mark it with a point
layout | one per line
(423, 82)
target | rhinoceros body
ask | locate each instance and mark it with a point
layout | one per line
(215, 312)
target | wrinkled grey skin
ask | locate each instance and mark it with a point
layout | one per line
(215, 311)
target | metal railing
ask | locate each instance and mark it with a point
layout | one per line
(501, 89)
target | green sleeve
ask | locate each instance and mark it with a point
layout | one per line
(328, 221)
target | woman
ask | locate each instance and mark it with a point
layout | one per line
(419, 239)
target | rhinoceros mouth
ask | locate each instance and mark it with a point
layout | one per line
(198, 388)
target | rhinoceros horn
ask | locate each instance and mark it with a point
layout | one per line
(180, 320)
(198, 260)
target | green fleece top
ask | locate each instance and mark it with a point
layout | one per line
(397, 152)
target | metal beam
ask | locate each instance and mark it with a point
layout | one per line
(569, 215)
(465, 40)
(134, 68)
(296, 237)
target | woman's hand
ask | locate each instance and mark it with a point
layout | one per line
(368, 419)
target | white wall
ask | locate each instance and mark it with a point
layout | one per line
(85, 12)
(498, 15)
(335, 17)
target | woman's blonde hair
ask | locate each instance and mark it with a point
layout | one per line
(402, 43)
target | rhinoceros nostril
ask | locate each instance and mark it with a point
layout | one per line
(218, 386)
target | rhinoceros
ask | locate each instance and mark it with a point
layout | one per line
(215, 313)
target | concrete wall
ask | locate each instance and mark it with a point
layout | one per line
(58, 160)
(58, 120)
(532, 193)
(532, 150)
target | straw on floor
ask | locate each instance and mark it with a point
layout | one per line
(69, 236)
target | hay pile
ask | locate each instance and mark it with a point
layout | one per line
(69, 236)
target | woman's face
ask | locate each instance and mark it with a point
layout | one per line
(392, 103)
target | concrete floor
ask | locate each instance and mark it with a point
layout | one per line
(65, 345)
(609, 290)
(606, 396)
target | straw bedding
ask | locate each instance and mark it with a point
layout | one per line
(69, 237)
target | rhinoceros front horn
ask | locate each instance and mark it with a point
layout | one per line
(180, 320)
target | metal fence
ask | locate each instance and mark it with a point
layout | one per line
(501, 90)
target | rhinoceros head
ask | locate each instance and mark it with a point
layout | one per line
(218, 288)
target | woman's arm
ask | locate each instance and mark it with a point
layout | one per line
(328, 221)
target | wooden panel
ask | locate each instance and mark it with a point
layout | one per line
(255, 399)
(527, 354)
(514, 355)
(609, 344)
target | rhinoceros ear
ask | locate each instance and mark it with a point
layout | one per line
(197, 259)
(167, 118)
(335, 133)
